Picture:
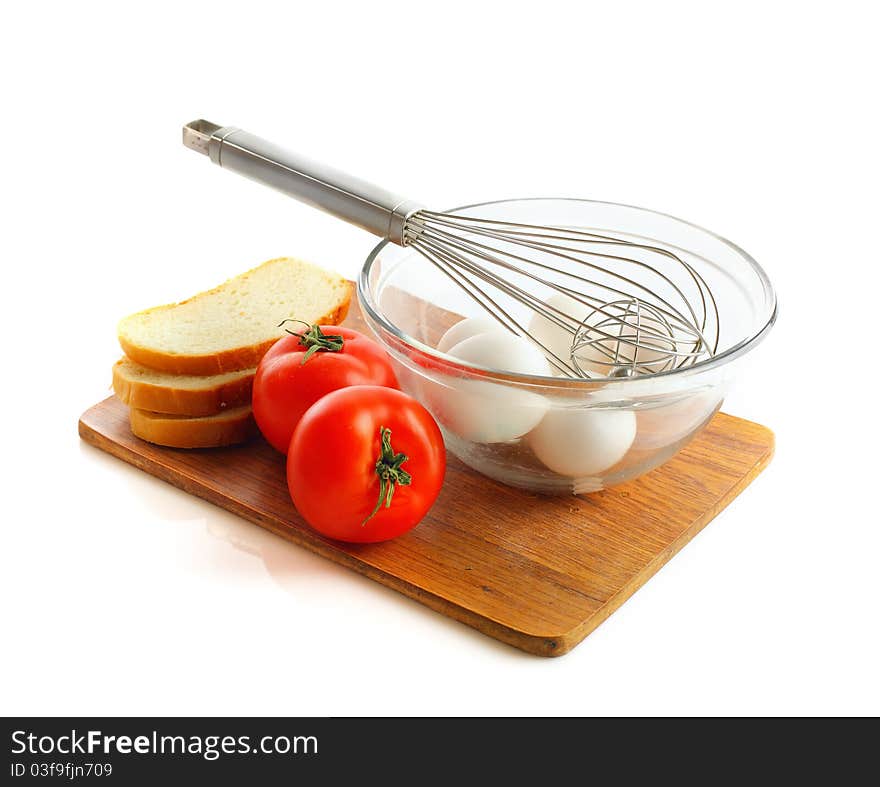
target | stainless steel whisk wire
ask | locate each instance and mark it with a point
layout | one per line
(631, 331)
(435, 244)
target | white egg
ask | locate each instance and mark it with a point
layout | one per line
(556, 339)
(503, 351)
(486, 412)
(490, 412)
(464, 329)
(582, 442)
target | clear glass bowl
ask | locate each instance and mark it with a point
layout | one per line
(552, 434)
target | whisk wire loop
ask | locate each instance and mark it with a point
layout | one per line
(628, 326)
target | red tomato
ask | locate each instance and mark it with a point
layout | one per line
(289, 379)
(365, 464)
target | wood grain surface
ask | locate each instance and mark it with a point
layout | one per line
(539, 573)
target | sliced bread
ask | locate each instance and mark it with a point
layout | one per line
(180, 394)
(231, 327)
(212, 431)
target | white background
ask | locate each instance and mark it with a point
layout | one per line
(122, 595)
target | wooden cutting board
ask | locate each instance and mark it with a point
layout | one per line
(539, 573)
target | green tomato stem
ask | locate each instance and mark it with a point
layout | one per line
(315, 340)
(389, 471)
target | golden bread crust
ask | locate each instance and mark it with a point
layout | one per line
(229, 428)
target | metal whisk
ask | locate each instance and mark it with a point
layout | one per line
(622, 305)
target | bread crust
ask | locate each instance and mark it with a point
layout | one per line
(181, 401)
(229, 428)
(232, 360)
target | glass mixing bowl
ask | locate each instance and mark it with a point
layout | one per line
(552, 434)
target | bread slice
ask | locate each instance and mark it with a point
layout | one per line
(231, 327)
(180, 394)
(227, 428)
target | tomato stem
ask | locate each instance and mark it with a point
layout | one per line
(315, 339)
(389, 471)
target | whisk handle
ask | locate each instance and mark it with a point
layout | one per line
(349, 198)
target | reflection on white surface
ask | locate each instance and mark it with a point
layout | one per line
(202, 533)
(288, 565)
